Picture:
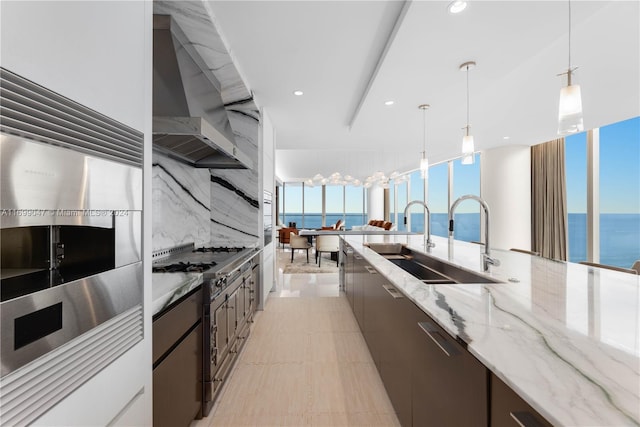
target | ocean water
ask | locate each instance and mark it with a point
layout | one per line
(619, 233)
(619, 238)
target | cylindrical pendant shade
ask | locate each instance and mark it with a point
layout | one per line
(424, 166)
(467, 145)
(570, 110)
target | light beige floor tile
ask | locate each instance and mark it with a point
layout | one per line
(295, 420)
(305, 363)
(349, 388)
(352, 420)
(338, 347)
(278, 347)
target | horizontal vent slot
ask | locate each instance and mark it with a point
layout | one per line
(32, 111)
(29, 392)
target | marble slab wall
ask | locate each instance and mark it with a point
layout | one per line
(181, 200)
(235, 202)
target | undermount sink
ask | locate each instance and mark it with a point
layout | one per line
(428, 269)
(387, 248)
(420, 271)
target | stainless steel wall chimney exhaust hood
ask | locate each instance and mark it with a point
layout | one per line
(190, 122)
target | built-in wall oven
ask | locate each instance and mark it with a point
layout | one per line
(70, 246)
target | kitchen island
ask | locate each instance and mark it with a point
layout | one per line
(564, 337)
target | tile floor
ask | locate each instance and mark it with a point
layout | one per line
(304, 364)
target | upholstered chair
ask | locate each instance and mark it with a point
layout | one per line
(285, 233)
(298, 242)
(327, 243)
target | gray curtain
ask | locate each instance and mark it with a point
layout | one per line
(549, 200)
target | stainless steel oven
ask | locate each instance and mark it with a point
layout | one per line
(70, 245)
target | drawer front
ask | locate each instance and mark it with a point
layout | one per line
(173, 324)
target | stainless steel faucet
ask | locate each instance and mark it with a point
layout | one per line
(427, 235)
(486, 256)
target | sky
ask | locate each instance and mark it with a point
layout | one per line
(619, 179)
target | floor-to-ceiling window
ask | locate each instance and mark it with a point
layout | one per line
(438, 200)
(312, 206)
(292, 201)
(416, 192)
(576, 179)
(392, 203)
(466, 180)
(401, 197)
(354, 206)
(619, 155)
(611, 161)
(334, 203)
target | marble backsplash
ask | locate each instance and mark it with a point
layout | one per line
(181, 200)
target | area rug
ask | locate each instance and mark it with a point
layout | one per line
(328, 266)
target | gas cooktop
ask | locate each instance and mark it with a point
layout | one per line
(208, 260)
(184, 267)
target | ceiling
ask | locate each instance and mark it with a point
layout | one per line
(349, 57)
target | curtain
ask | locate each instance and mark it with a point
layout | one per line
(549, 200)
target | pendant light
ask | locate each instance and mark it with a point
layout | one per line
(467, 140)
(424, 162)
(570, 105)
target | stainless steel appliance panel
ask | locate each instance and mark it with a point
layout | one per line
(221, 337)
(44, 178)
(37, 323)
(128, 243)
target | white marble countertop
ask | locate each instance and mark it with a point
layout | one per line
(169, 287)
(564, 336)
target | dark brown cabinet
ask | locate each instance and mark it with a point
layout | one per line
(372, 295)
(177, 363)
(449, 385)
(359, 273)
(509, 410)
(348, 274)
(430, 377)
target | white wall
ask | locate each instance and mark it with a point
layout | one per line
(97, 53)
(268, 144)
(375, 203)
(506, 187)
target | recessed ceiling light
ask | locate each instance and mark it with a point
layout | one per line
(457, 6)
(506, 137)
(388, 103)
(298, 92)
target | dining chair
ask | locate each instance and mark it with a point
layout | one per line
(285, 232)
(524, 251)
(298, 242)
(609, 267)
(327, 243)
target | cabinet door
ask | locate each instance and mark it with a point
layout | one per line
(509, 410)
(395, 345)
(253, 293)
(372, 296)
(348, 276)
(449, 385)
(221, 332)
(358, 295)
(232, 319)
(177, 383)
